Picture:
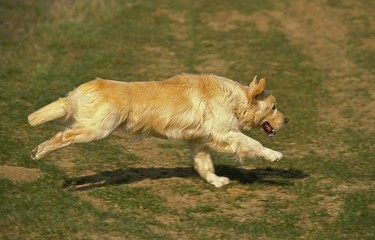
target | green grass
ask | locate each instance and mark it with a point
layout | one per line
(322, 189)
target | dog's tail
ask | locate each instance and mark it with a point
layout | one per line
(55, 110)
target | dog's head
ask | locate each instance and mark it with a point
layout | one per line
(266, 115)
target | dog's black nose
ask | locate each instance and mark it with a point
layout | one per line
(286, 120)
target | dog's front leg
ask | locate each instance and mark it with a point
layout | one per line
(244, 146)
(204, 165)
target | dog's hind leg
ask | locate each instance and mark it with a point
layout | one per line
(67, 137)
(204, 165)
(60, 140)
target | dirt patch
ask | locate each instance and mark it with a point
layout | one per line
(172, 15)
(19, 174)
(332, 205)
(252, 204)
(168, 61)
(213, 63)
(351, 188)
(226, 21)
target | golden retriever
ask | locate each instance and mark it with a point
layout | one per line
(207, 111)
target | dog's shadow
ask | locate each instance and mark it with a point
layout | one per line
(271, 176)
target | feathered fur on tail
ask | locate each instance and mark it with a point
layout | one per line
(55, 110)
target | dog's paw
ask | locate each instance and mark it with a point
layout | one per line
(218, 181)
(272, 155)
(34, 154)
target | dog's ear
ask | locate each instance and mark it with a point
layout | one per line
(253, 82)
(256, 88)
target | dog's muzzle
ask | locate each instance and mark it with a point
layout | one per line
(269, 129)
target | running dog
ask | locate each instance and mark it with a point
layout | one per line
(208, 111)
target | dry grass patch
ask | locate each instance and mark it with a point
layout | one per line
(19, 174)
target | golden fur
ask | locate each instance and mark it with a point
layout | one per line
(207, 111)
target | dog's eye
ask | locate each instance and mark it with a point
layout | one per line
(274, 107)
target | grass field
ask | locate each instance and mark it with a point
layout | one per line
(318, 57)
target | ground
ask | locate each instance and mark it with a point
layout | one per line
(318, 57)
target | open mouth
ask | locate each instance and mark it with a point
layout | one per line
(268, 129)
